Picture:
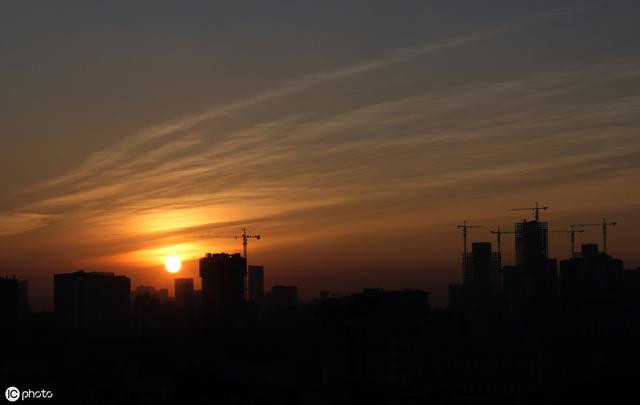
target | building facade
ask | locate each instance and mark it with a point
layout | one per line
(223, 278)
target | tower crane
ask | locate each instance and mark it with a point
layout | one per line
(245, 241)
(572, 231)
(499, 234)
(535, 209)
(464, 228)
(604, 224)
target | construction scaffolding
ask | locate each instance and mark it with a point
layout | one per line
(532, 241)
(478, 271)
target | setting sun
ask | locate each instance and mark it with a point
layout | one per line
(172, 264)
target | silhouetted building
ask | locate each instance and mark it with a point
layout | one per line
(14, 302)
(184, 293)
(161, 295)
(144, 289)
(256, 283)
(591, 279)
(155, 312)
(532, 242)
(92, 301)
(482, 268)
(630, 289)
(284, 296)
(374, 342)
(458, 298)
(145, 306)
(514, 284)
(222, 285)
(481, 279)
(532, 282)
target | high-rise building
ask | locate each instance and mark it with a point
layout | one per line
(256, 283)
(145, 289)
(532, 282)
(590, 278)
(14, 302)
(184, 293)
(532, 242)
(482, 268)
(481, 279)
(222, 285)
(375, 340)
(160, 295)
(92, 301)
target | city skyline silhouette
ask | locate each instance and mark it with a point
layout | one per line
(377, 345)
(482, 234)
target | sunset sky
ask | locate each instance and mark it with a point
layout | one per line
(353, 135)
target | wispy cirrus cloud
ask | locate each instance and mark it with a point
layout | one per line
(372, 163)
(137, 143)
(20, 222)
(497, 137)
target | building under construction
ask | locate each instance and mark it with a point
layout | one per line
(223, 278)
(481, 267)
(532, 241)
(482, 279)
(532, 282)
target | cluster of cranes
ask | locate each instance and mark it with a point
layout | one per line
(572, 231)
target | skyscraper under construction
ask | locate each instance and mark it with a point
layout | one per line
(532, 282)
(222, 286)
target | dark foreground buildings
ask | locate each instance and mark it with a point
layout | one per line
(531, 285)
(223, 277)
(256, 284)
(481, 279)
(501, 342)
(283, 296)
(185, 296)
(373, 343)
(14, 302)
(93, 302)
(591, 279)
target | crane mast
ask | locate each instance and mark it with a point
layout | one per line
(499, 234)
(245, 242)
(604, 224)
(464, 228)
(572, 231)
